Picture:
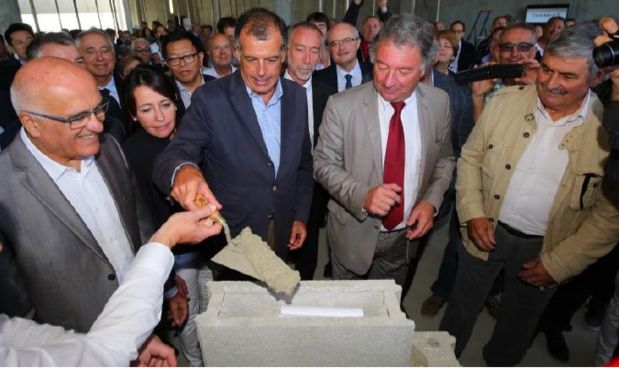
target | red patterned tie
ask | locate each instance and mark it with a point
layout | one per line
(393, 172)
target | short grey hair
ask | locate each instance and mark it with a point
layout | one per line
(16, 100)
(411, 30)
(576, 42)
(303, 25)
(96, 31)
(33, 51)
(524, 27)
(138, 40)
(258, 22)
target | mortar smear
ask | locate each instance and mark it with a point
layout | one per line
(268, 266)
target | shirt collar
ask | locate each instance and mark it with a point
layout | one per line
(410, 100)
(577, 118)
(307, 85)
(356, 71)
(110, 85)
(182, 88)
(279, 92)
(53, 168)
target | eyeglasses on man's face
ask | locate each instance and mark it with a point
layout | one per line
(78, 120)
(145, 50)
(188, 59)
(521, 46)
(344, 42)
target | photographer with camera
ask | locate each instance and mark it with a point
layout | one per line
(516, 46)
(606, 55)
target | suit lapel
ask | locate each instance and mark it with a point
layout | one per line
(37, 181)
(372, 125)
(107, 168)
(286, 124)
(245, 110)
(424, 128)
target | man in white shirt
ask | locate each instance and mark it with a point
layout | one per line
(531, 198)
(220, 51)
(346, 71)
(302, 55)
(128, 318)
(385, 156)
(181, 51)
(71, 213)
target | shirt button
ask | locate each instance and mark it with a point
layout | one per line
(508, 167)
(491, 219)
(490, 146)
(526, 135)
(111, 277)
(496, 196)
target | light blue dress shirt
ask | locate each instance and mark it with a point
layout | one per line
(270, 121)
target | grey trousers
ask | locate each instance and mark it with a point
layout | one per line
(521, 304)
(390, 260)
(609, 334)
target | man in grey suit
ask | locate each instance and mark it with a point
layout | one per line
(69, 210)
(385, 156)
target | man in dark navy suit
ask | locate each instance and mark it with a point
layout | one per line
(302, 54)
(249, 132)
(346, 71)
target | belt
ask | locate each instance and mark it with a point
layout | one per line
(518, 233)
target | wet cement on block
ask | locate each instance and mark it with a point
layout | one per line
(268, 266)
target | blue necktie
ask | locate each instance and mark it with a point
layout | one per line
(348, 81)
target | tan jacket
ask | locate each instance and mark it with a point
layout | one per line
(583, 224)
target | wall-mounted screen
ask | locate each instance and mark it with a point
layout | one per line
(541, 13)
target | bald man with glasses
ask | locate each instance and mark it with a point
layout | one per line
(71, 215)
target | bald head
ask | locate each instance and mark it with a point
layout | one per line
(343, 41)
(41, 79)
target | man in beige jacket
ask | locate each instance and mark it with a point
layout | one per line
(531, 197)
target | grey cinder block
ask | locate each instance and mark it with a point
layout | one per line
(242, 326)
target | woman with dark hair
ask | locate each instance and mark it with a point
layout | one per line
(151, 98)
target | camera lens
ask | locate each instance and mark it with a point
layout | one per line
(607, 54)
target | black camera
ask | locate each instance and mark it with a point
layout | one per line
(490, 72)
(607, 54)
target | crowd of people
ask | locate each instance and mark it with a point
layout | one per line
(289, 129)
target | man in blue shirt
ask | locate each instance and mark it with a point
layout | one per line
(248, 132)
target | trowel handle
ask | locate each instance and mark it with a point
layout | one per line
(200, 201)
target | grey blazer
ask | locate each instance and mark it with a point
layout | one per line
(348, 163)
(66, 275)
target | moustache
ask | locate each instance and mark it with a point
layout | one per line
(559, 91)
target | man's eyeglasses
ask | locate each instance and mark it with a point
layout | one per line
(188, 59)
(79, 120)
(344, 42)
(140, 50)
(522, 46)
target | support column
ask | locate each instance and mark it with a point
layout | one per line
(283, 8)
(9, 13)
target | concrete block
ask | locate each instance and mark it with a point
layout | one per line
(242, 326)
(434, 349)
